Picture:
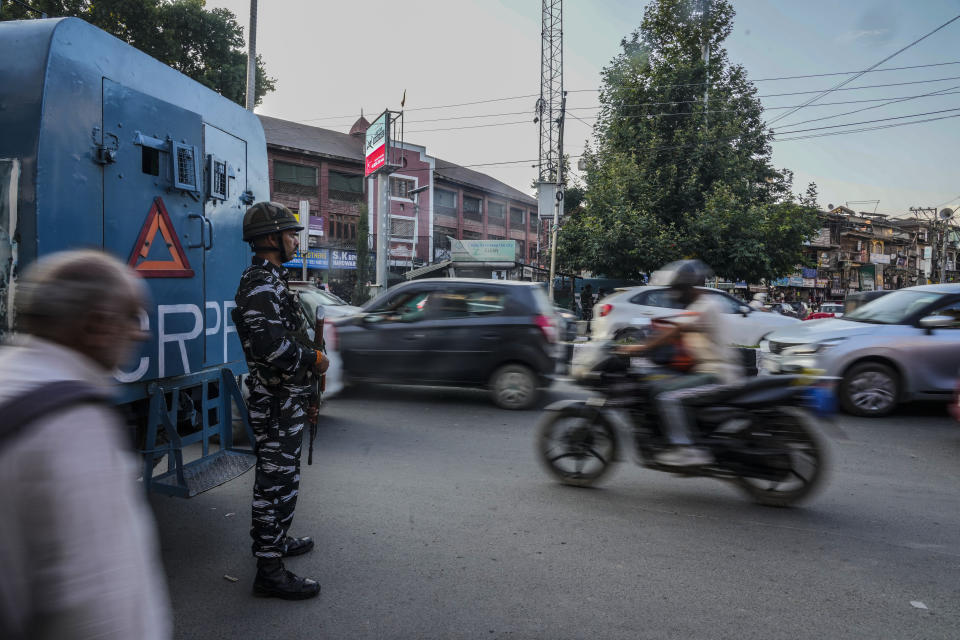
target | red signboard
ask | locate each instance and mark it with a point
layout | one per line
(375, 145)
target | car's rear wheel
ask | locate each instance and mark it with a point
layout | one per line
(870, 389)
(514, 386)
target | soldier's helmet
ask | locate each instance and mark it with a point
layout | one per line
(265, 218)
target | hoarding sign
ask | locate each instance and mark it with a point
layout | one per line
(483, 250)
(375, 146)
(807, 272)
(879, 258)
(325, 259)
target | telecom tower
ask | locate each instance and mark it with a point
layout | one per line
(550, 110)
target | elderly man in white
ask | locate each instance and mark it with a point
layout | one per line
(77, 542)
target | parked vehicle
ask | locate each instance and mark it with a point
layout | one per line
(498, 334)
(624, 311)
(103, 146)
(861, 298)
(902, 346)
(782, 308)
(827, 310)
(764, 437)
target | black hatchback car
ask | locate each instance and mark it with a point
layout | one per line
(497, 334)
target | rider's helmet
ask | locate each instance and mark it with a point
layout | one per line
(682, 274)
(265, 218)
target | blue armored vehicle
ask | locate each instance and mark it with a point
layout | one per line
(104, 146)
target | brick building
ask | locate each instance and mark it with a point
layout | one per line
(325, 169)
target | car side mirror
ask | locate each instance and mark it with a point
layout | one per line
(371, 318)
(319, 316)
(936, 322)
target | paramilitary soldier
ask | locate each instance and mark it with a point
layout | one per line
(282, 397)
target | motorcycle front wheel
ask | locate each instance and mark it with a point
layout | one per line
(576, 446)
(804, 458)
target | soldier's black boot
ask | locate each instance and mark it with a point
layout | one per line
(297, 546)
(274, 581)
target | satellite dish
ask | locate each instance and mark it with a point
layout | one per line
(830, 207)
(946, 214)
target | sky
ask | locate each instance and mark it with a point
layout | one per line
(332, 60)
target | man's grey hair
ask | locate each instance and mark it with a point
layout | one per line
(58, 290)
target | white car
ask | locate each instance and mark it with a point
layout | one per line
(630, 309)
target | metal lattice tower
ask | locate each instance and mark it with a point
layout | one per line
(550, 105)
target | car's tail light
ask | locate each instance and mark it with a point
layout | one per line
(330, 336)
(605, 310)
(548, 327)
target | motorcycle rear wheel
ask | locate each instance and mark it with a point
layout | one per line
(576, 446)
(794, 431)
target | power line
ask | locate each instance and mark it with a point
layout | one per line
(877, 106)
(852, 124)
(888, 100)
(854, 77)
(353, 117)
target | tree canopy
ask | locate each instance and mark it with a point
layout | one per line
(206, 45)
(670, 174)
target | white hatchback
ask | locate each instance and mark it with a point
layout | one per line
(630, 309)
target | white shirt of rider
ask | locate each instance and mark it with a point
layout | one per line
(706, 343)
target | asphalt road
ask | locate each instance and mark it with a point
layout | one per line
(433, 520)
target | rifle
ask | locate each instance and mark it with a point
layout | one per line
(320, 380)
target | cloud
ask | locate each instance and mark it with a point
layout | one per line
(863, 34)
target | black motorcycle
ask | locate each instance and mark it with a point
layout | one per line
(763, 437)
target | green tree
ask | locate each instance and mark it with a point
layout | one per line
(206, 45)
(361, 293)
(667, 177)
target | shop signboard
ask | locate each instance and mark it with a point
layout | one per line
(340, 259)
(823, 283)
(316, 259)
(795, 281)
(483, 250)
(822, 239)
(325, 259)
(781, 282)
(810, 283)
(376, 144)
(879, 258)
(757, 288)
(808, 273)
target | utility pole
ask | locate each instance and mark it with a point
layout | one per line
(550, 109)
(944, 215)
(705, 50)
(252, 58)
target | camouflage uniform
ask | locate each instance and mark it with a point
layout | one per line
(270, 323)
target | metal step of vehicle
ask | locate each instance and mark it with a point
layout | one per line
(205, 473)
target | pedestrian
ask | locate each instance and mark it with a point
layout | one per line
(77, 542)
(586, 304)
(283, 366)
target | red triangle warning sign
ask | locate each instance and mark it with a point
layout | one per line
(177, 265)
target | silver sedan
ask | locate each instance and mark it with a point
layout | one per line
(903, 346)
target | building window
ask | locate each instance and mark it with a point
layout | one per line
(294, 178)
(521, 250)
(471, 235)
(472, 208)
(495, 212)
(343, 227)
(441, 237)
(445, 202)
(491, 236)
(345, 186)
(401, 187)
(516, 218)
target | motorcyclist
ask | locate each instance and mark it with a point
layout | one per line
(714, 365)
(759, 302)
